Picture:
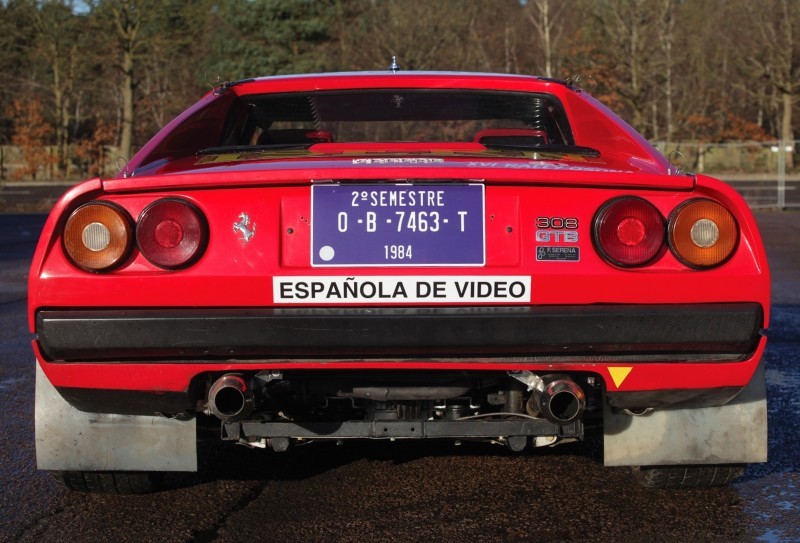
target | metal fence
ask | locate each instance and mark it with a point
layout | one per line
(763, 172)
(82, 163)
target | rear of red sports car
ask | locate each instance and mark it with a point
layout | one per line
(399, 256)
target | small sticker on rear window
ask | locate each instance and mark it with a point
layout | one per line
(394, 161)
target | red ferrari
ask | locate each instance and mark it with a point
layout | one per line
(403, 255)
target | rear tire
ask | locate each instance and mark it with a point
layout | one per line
(703, 476)
(109, 482)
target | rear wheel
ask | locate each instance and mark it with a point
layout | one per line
(703, 476)
(109, 482)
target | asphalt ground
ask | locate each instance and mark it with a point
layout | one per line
(402, 491)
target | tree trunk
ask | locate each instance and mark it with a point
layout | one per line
(787, 134)
(548, 46)
(61, 136)
(543, 25)
(127, 88)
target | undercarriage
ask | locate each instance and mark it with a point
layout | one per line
(273, 409)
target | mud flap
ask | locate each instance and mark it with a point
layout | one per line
(68, 439)
(731, 434)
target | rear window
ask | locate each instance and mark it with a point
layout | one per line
(397, 116)
(498, 120)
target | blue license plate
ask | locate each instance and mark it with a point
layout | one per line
(397, 225)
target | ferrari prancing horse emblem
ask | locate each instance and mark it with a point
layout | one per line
(246, 232)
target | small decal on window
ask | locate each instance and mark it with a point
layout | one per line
(396, 160)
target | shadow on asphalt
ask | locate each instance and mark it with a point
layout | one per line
(226, 461)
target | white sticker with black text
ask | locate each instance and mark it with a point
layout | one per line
(383, 289)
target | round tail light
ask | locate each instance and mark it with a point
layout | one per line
(172, 233)
(629, 231)
(702, 233)
(98, 236)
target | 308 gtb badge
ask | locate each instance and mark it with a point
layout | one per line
(557, 233)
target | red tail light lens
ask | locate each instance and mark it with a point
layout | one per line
(629, 232)
(98, 236)
(702, 233)
(172, 233)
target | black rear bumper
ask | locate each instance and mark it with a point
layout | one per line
(649, 332)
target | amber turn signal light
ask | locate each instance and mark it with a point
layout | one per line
(98, 236)
(702, 233)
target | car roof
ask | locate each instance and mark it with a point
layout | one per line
(388, 79)
(592, 123)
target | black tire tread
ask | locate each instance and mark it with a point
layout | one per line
(108, 482)
(702, 476)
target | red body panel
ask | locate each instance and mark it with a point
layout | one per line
(175, 377)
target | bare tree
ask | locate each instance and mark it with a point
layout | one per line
(666, 39)
(548, 21)
(624, 35)
(57, 42)
(151, 43)
(773, 54)
(441, 35)
(127, 20)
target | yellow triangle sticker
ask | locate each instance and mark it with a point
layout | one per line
(619, 374)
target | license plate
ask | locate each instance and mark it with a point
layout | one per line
(397, 225)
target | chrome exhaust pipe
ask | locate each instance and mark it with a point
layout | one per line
(558, 399)
(230, 398)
